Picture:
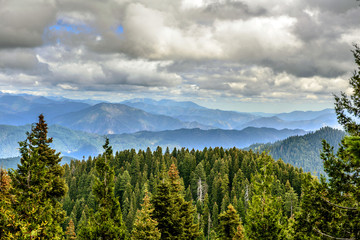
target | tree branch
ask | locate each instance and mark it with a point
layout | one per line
(338, 206)
(329, 236)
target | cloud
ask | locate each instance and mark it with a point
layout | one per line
(22, 23)
(17, 59)
(77, 69)
(263, 50)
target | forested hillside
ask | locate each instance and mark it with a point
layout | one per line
(148, 115)
(214, 193)
(77, 144)
(303, 151)
(210, 180)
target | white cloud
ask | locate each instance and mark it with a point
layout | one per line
(287, 50)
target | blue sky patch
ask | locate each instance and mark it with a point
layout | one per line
(119, 29)
(71, 28)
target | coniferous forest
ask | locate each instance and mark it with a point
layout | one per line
(215, 193)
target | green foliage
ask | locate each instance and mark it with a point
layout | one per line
(330, 209)
(144, 226)
(348, 107)
(107, 222)
(8, 219)
(229, 222)
(303, 151)
(290, 201)
(70, 231)
(38, 186)
(264, 216)
(217, 178)
(173, 214)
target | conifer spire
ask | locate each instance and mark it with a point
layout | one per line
(38, 186)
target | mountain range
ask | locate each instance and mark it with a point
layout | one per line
(79, 144)
(78, 128)
(303, 151)
(148, 115)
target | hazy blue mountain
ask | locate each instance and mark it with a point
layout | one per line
(9, 162)
(326, 119)
(147, 114)
(139, 102)
(306, 115)
(15, 104)
(9, 138)
(303, 151)
(54, 109)
(111, 118)
(77, 144)
(68, 142)
(190, 112)
(19, 110)
(198, 139)
(14, 161)
(11, 119)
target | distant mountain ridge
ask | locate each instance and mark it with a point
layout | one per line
(77, 144)
(304, 115)
(189, 112)
(303, 151)
(147, 115)
(319, 121)
(111, 118)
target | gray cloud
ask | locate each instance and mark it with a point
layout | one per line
(22, 23)
(212, 49)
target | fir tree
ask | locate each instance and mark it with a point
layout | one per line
(348, 107)
(8, 219)
(330, 208)
(145, 227)
(215, 215)
(70, 231)
(290, 200)
(240, 233)
(173, 214)
(107, 222)
(229, 222)
(263, 218)
(38, 186)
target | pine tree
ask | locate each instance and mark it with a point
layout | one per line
(264, 215)
(330, 208)
(240, 233)
(206, 217)
(8, 219)
(145, 227)
(38, 185)
(347, 108)
(290, 201)
(229, 221)
(173, 214)
(70, 231)
(107, 222)
(215, 215)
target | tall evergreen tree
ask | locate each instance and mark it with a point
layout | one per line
(229, 221)
(330, 208)
(347, 108)
(70, 231)
(173, 214)
(215, 215)
(145, 227)
(8, 219)
(263, 218)
(107, 222)
(290, 200)
(38, 185)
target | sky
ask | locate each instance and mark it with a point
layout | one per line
(243, 55)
